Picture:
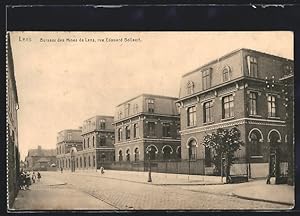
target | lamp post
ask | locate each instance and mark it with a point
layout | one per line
(149, 163)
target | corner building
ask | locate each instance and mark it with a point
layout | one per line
(232, 91)
(68, 141)
(143, 123)
(98, 138)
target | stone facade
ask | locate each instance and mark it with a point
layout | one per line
(12, 107)
(40, 159)
(66, 140)
(232, 91)
(143, 123)
(98, 139)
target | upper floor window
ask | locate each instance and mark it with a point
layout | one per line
(253, 103)
(127, 131)
(119, 134)
(252, 66)
(93, 141)
(190, 87)
(228, 106)
(191, 116)
(150, 104)
(135, 108)
(83, 143)
(120, 114)
(88, 142)
(102, 124)
(102, 140)
(151, 128)
(271, 105)
(69, 136)
(206, 79)
(166, 130)
(135, 130)
(207, 112)
(226, 73)
(127, 109)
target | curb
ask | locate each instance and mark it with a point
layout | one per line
(58, 184)
(262, 200)
(158, 184)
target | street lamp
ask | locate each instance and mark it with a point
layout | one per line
(149, 150)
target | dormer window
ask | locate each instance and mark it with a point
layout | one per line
(287, 70)
(226, 73)
(252, 66)
(190, 87)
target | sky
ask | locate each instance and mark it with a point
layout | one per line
(64, 78)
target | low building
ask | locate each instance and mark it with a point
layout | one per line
(67, 141)
(13, 160)
(40, 159)
(239, 89)
(98, 139)
(146, 127)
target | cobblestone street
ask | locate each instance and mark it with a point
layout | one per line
(126, 195)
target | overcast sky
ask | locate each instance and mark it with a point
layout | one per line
(60, 84)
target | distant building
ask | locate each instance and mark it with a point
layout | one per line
(146, 127)
(40, 159)
(12, 128)
(98, 139)
(67, 141)
(232, 91)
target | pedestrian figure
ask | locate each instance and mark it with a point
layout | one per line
(22, 181)
(102, 170)
(27, 181)
(61, 170)
(33, 177)
(39, 176)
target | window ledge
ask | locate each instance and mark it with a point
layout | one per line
(229, 118)
(273, 117)
(208, 123)
(256, 156)
(256, 116)
(192, 126)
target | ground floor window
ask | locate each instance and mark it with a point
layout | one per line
(136, 154)
(192, 150)
(120, 155)
(167, 152)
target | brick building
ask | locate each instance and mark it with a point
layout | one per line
(98, 139)
(40, 159)
(12, 107)
(67, 141)
(143, 123)
(232, 91)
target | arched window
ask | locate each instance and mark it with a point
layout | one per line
(226, 73)
(120, 155)
(119, 134)
(88, 142)
(207, 156)
(274, 137)
(135, 130)
(93, 141)
(190, 87)
(127, 155)
(127, 131)
(167, 152)
(192, 150)
(151, 151)
(255, 148)
(136, 154)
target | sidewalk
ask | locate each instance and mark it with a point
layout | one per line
(157, 178)
(51, 194)
(259, 190)
(252, 190)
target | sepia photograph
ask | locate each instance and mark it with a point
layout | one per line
(150, 120)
